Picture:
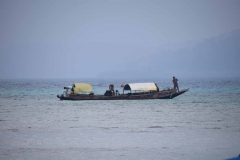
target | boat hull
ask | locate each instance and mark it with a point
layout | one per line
(166, 94)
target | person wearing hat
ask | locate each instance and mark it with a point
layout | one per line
(175, 83)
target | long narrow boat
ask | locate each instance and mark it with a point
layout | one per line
(136, 91)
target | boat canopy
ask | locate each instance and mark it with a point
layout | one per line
(81, 87)
(140, 87)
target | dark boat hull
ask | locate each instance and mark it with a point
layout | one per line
(166, 94)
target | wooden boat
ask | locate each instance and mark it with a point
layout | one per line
(136, 91)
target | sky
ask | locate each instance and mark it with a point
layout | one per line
(119, 38)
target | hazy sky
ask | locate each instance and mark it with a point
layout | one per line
(94, 38)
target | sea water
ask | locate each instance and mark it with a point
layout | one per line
(203, 123)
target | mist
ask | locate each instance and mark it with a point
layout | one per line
(112, 39)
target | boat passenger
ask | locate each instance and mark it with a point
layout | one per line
(157, 87)
(72, 90)
(110, 92)
(111, 88)
(117, 94)
(67, 92)
(175, 83)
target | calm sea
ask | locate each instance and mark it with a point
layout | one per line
(203, 123)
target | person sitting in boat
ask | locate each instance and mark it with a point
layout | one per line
(111, 88)
(175, 83)
(110, 92)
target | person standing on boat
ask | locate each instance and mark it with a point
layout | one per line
(175, 83)
(157, 87)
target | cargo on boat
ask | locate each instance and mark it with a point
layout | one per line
(136, 91)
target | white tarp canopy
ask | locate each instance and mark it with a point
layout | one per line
(140, 87)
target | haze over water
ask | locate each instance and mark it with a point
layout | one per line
(200, 124)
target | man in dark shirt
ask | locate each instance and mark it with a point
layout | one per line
(175, 83)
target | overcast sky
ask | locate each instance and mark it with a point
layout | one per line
(92, 38)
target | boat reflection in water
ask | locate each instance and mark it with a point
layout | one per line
(83, 91)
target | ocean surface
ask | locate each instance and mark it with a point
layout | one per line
(203, 123)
